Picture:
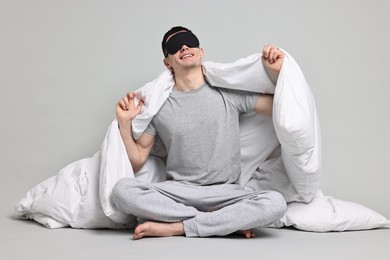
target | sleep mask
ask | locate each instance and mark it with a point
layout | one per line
(175, 43)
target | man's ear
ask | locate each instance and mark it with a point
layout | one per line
(201, 52)
(166, 63)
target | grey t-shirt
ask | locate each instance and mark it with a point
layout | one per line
(200, 130)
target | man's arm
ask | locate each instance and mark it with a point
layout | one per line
(137, 151)
(272, 60)
(264, 104)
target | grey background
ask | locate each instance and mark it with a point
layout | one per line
(64, 64)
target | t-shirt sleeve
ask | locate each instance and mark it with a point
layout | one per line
(243, 101)
(151, 129)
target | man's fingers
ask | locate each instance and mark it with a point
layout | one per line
(278, 55)
(122, 104)
(139, 107)
(271, 53)
(126, 103)
(130, 97)
(274, 54)
(140, 103)
(266, 50)
(270, 56)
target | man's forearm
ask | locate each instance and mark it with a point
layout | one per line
(130, 145)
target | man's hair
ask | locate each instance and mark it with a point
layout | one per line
(173, 30)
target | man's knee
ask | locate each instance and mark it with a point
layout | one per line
(278, 204)
(124, 191)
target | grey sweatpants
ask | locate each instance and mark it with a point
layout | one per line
(204, 210)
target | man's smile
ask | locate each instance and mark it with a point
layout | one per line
(187, 55)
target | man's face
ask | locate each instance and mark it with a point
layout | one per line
(185, 58)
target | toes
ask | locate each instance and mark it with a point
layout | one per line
(138, 232)
(138, 236)
(138, 229)
(248, 233)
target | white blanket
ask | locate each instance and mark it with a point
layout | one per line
(280, 153)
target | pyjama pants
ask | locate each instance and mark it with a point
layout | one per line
(214, 210)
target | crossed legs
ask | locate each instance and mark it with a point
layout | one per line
(171, 208)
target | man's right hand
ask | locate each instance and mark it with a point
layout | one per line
(137, 150)
(126, 110)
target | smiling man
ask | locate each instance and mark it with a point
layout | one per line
(199, 127)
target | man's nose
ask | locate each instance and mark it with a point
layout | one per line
(184, 47)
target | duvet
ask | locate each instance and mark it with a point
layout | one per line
(281, 153)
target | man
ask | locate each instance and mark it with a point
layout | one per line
(199, 127)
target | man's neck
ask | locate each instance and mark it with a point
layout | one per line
(189, 80)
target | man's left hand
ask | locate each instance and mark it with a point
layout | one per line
(272, 59)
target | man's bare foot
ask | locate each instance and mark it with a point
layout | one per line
(247, 233)
(156, 229)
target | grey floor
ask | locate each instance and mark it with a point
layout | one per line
(22, 239)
